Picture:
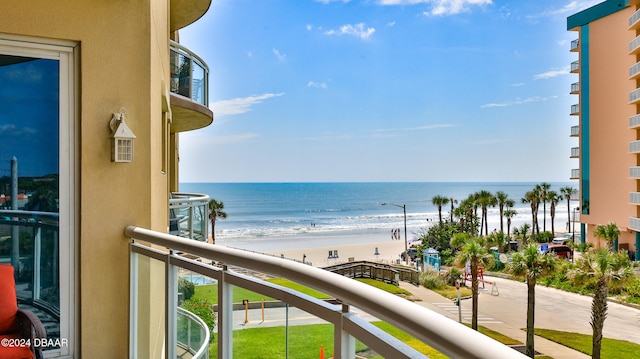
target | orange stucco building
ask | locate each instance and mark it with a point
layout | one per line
(608, 113)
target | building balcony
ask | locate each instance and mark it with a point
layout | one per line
(634, 71)
(634, 172)
(158, 271)
(575, 88)
(634, 224)
(575, 174)
(634, 147)
(575, 110)
(634, 96)
(575, 152)
(575, 131)
(185, 12)
(634, 198)
(634, 121)
(189, 90)
(189, 215)
(634, 45)
(575, 67)
(575, 45)
(634, 20)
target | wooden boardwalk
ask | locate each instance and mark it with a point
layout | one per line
(378, 271)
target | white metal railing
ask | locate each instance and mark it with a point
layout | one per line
(575, 173)
(575, 130)
(194, 338)
(633, 45)
(633, 19)
(189, 74)
(634, 172)
(634, 197)
(445, 335)
(575, 152)
(634, 224)
(634, 121)
(189, 215)
(575, 87)
(575, 109)
(634, 95)
(575, 66)
(575, 44)
(634, 146)
(634, 69)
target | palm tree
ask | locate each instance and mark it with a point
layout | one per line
(439, 201)
(521, 233)
(567, 193)
(485, 199)
(508, 214)
(472, 251)
(452, 201)
(605, 267)
(553, 198)
(533, 198)
(543, 190)
(503, 201)
(531, 264)
(215, 211)
(608, 232)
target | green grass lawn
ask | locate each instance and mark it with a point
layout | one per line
(393, 289)
(611, 348)
(210, 292)
(451, 292)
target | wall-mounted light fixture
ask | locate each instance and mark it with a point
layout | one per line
(121, 138)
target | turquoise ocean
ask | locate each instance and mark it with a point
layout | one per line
(266, 216)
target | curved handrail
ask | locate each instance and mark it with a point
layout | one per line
(204, 348)
(445, 335)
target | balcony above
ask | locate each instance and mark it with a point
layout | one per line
(575, 110)
(575, 88)
(575, 152)
(575, 45)
(189, 90)
(575, 131)
(189, 215)
(185, 12)
(634, 20)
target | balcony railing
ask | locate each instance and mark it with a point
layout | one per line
(633, 19)
(189, 215)
(575, 44)
(575, 87)
(634, 96)
(189, 74)
(634, 197)
(445, 335)
(634, 121)
(575, 152)
(575, 131)
(575, 109)
(192, 337)
(634, 224)
(575, 173)
(634, 147)
(634, 44)
(634, 172)
(575, 66)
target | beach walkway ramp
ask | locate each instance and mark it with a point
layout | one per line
(378, 271)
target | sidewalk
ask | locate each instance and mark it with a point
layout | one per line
(436, 302)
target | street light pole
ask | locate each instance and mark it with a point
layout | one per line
(404, 212)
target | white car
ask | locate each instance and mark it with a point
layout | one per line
(563, 239)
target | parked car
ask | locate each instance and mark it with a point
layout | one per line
(562, 251)
(563, 239)
(413, 253)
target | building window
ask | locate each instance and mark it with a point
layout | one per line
(37, 180)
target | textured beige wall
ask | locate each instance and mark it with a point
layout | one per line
(123, 61)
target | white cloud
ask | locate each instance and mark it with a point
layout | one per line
(391, 24)
(440, 7)
(322, 85)
(359, 30)
(331, 1)
(572, 7)
(552, 73)
(520, 101)
(280, 56)
(240, 105)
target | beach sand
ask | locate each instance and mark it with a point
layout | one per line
(388, 252)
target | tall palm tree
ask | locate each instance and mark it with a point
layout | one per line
(452, 201)
(533, 199)
(531, 264)
(605, 267)
(609, 232)
(567, 193)
(503, 201)
(553, 198)
(216, 210)
(543, 190)
(485, 199)
(472, 251)
(439, 201)
(508, 214)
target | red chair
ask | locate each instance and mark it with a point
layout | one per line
(19, 326)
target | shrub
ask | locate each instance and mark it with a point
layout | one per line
(186, 288)
(203, 308)
(544, 237)
(432, 280)
(452, 275)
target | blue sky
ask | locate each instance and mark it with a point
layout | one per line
(384, 90)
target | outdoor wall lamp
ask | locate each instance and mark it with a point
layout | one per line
(121, 138)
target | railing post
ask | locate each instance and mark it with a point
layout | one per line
(344, 345)
(225, 317)
(133, 304)
(171, 300)
(37, 260)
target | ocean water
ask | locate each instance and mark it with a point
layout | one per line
(315, 214)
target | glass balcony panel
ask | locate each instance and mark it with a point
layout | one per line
(189, 216)
(634, 44)
(575, 66)
(575, 130)
(189, 74)
(150, 306)
(634, 96)
(634, 121)
(575, 87)
(195, 315)
(575, 109)
(634, 172)
(199, 84)
(633, 19)
(575, 44)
